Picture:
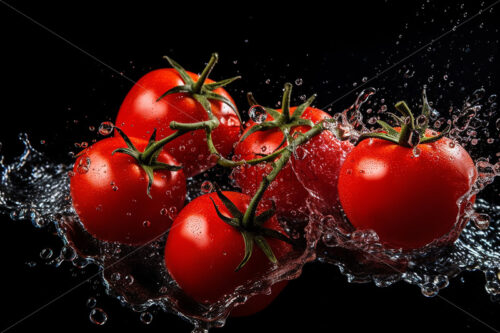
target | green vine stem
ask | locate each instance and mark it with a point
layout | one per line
(410, 134)
(285, 154)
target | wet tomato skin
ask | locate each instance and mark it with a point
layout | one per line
(409, 201)
(202, 253)
(109, 194)
(140, 114)
(313, 169)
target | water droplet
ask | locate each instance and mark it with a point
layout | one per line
(429, 289)
(67, 253)
(83, 165)
(31, 264)
(206, 187)
(364, 79)
(46, 253)
(116, 276)
(146, 317)
(231, 121)
(146, 224)
(482, 221)
(172, 212)
(129, 280)
(257, 113)
(409, 73)
(106, 128)
(98, 316)
(299, 82)
(91, 302)
(163, 211)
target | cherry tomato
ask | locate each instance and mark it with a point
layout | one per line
(313, 169)
(140, 114)
(408, 200)
(202, 252)
(109, 193)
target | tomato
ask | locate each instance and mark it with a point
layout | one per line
(313, 169)
(109, 193)
(408, 200)
(140, 113)
(202, 252)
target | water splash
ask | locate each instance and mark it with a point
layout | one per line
(34, 188)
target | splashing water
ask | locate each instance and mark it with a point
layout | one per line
(36, 189)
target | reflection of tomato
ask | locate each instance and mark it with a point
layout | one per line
(202, 252)
(109, 194)
(140, 114)
(408, 200)
(315, 166)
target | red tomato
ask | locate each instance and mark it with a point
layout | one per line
(409, 201)
(109, 194)
(202, 252)
(140, 114)
(314, 169)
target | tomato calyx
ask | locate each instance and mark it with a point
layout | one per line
(282, 120)
(252, 230)
(147, 159)
(202, 92)
(413, 129)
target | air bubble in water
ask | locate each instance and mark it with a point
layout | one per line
(106, 128)
(257, 113)
(299, 82)
(98, 316)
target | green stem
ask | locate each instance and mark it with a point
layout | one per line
(286, 153)
(249, 215)
(251, 99)
(204, 75)
(285, 104)
(182, 128)
(150, 152)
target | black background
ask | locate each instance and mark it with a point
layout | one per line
(54, 92)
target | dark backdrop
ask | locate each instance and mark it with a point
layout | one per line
(54, 92)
